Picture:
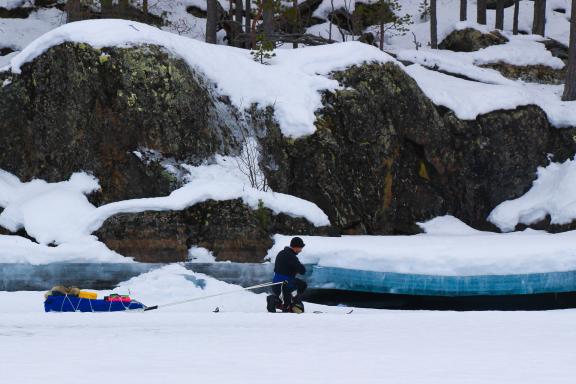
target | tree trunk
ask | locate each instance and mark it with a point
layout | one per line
(500, 14)
(381, 36)
(106, 9)
(238, 12)
(433, 25)
(248, 14)
(463, 10)
(539, 22)
(123, 8)
(268, 18)
(211, 21)
(516, 13)
(481, 12)
(296, 20)
(570, 86)
(145, 9)
(73, 11)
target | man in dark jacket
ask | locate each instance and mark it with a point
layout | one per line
(286, 267)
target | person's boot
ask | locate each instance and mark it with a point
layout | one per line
(298, 308)
(271, 301)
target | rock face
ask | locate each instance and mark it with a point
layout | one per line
(530, 73)
(78, 108)
(469, 40)
(384, 157)
(230, 229)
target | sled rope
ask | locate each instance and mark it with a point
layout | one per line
(213, 295)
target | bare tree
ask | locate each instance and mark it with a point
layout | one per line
(500, 14)
(539, 22)
(73, 12)
(145, 9)
(463, 10)
(570, 85)
(268, 18)
(123, 6)
(247, 17)
(516, 14)
(249, 163)
(481, 12)
(106, 9)
(239, 10)
(211, 21)
(296, 20)
(255, 20)
(433, 25)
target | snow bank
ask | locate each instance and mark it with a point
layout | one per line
(553, 193)
(450, 249)
(448, 225)
(469, 99)
(17, 249)
(520, 51)
(176, 283)
(46, 210)
(291, 83)
(60, 212)
(12, 4)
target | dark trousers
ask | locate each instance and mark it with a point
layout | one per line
(286, 290)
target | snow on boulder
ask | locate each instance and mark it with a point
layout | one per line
(17, 249)
(447, 225)
(48, 211)
(60, 212)
(291, 83)
(470, 99)
(553, 193)
(454, 250)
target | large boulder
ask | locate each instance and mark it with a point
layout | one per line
(470, 39)
(384, 157)
(79, 108)
(230, 229)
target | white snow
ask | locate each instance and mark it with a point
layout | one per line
(17, 249)
(553, 193)
(201, 255)
(12, 4)
(244, 344)
(291, 83)
(17, 33)
(60, 213)
(450, 248)
(469, 99)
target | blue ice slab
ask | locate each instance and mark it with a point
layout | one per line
(411, 284)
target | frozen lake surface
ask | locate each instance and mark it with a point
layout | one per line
(15, 277)
(244, 344)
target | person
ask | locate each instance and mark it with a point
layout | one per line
(286, 267)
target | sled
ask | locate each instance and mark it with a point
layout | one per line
(69, 303)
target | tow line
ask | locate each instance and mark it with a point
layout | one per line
(214, 295)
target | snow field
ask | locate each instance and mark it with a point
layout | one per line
(244, 344)
(230, 347)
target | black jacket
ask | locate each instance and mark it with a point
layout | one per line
(287, 263)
